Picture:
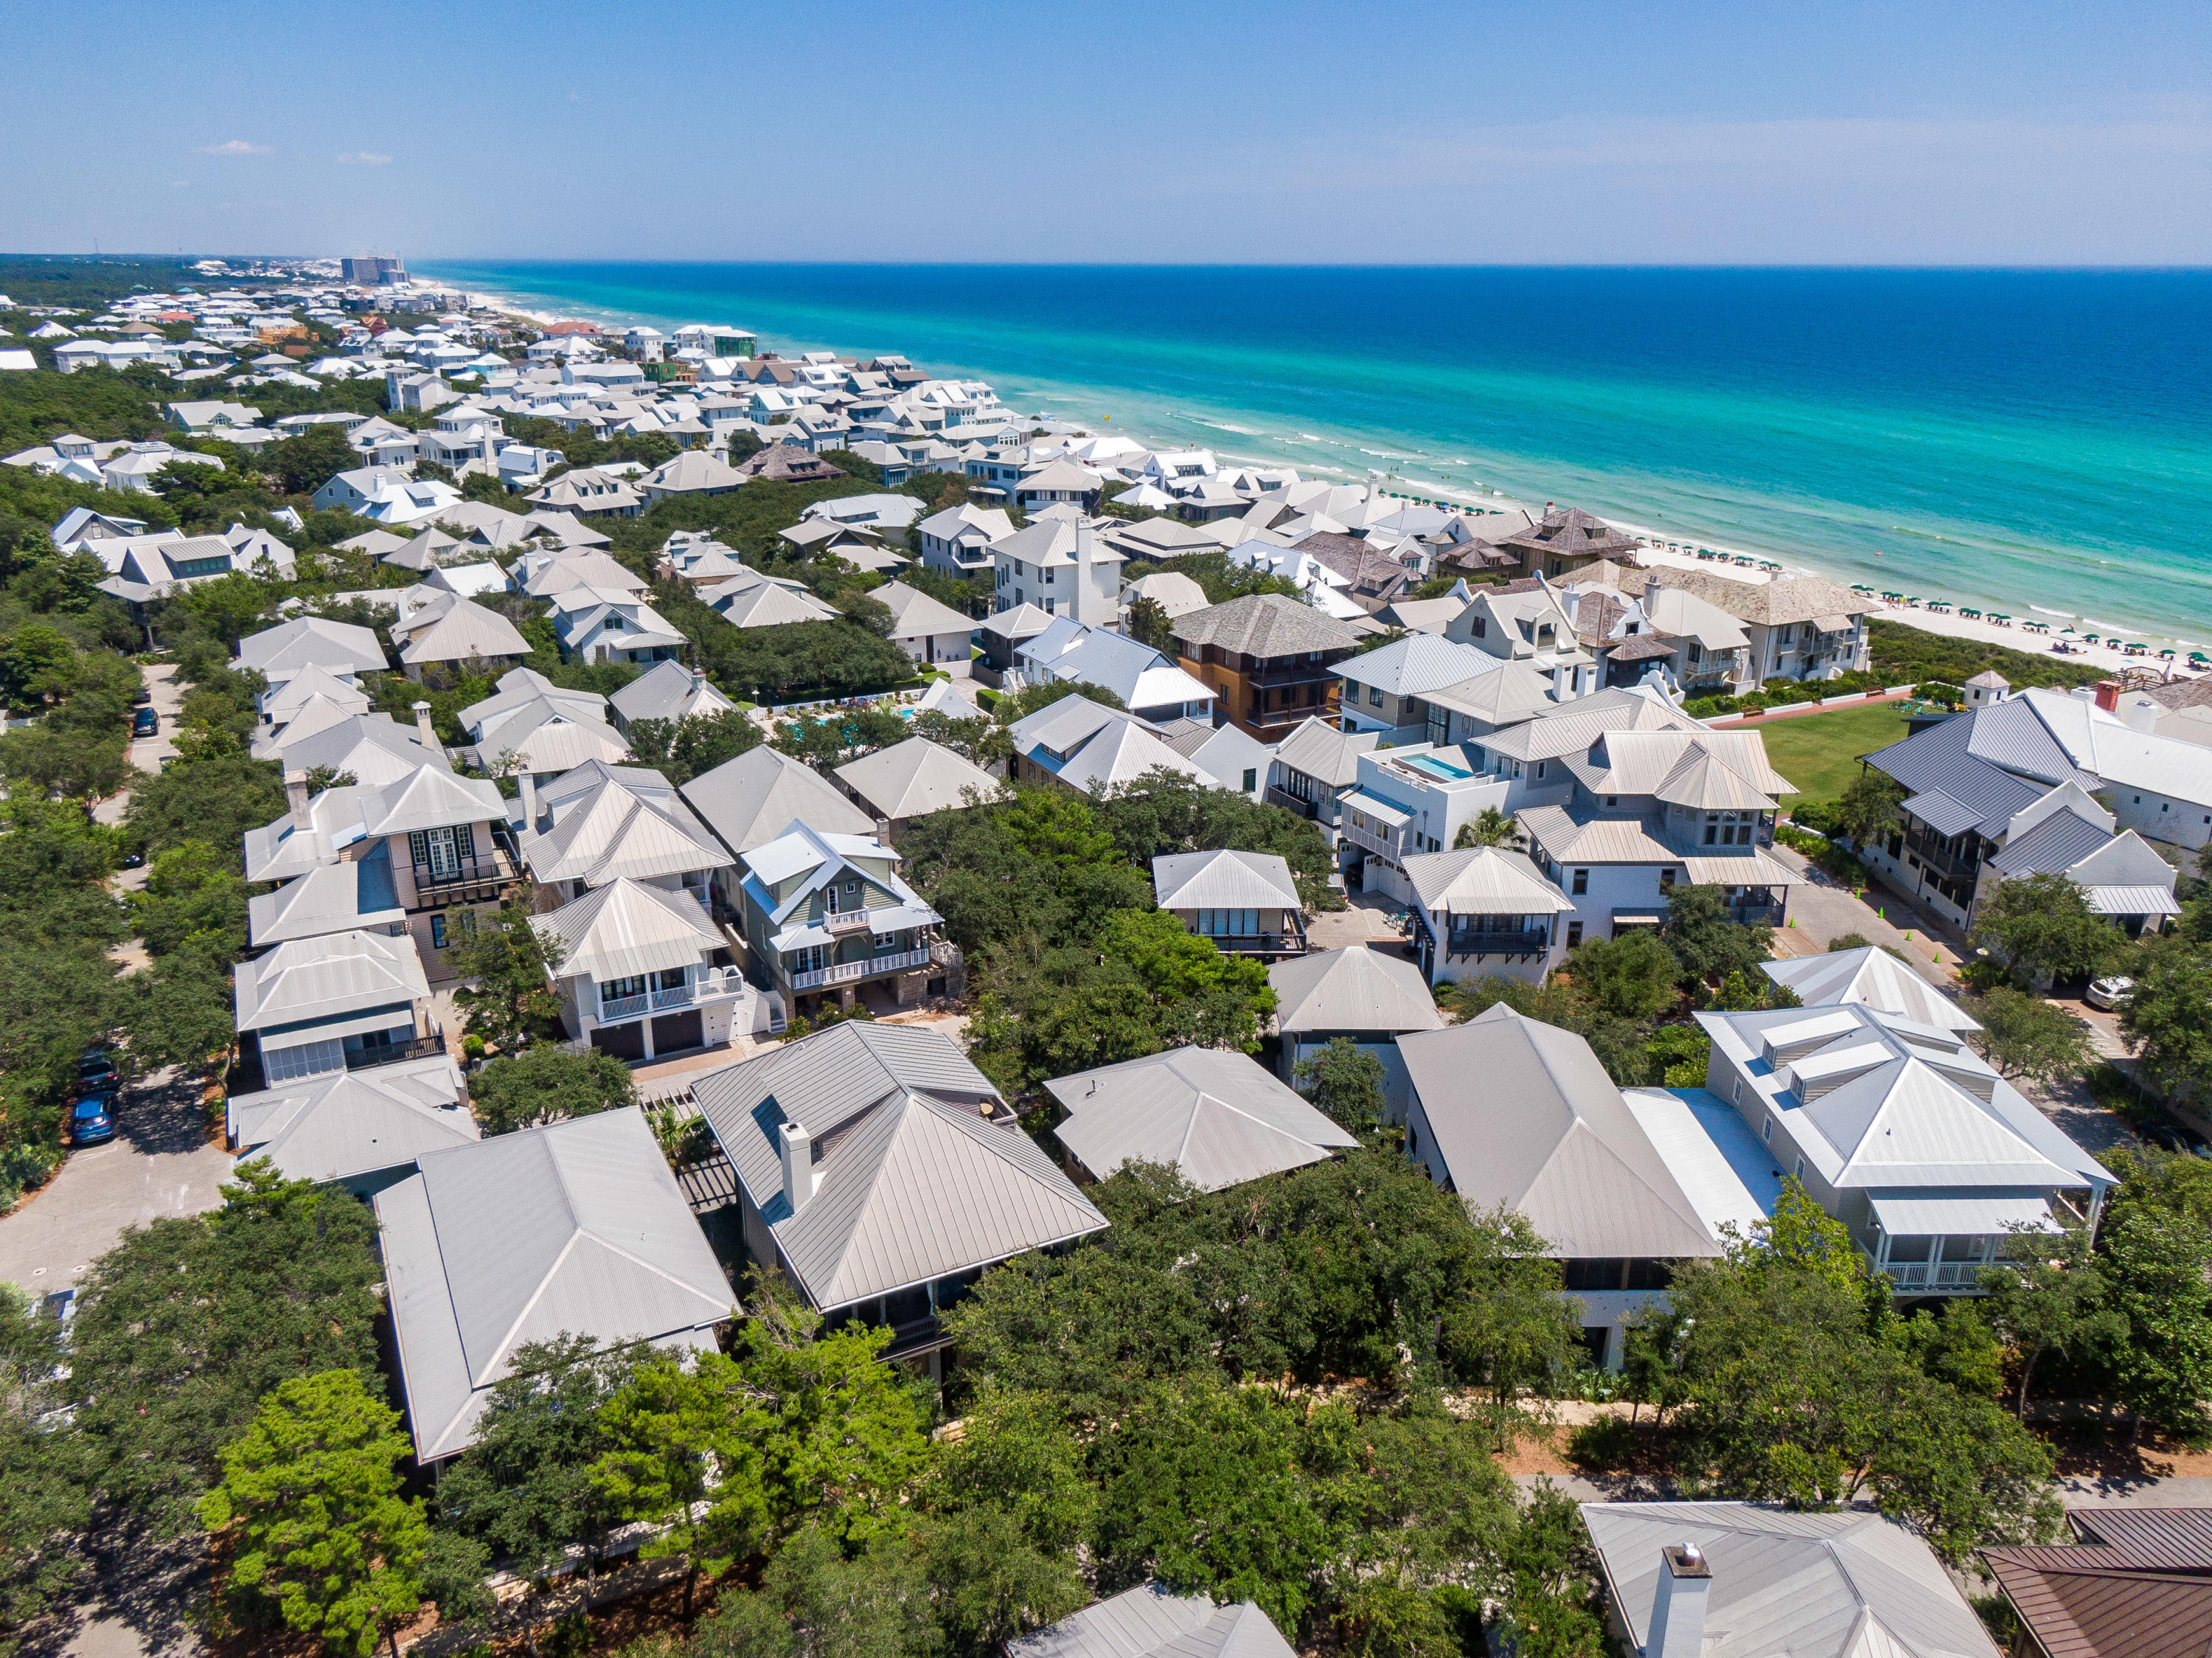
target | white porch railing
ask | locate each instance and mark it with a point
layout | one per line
(711, 985)
(843, 972)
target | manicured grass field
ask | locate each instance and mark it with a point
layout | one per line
(1820, 752)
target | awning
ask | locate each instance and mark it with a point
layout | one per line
(1941, 814)
(1638, 917)
(1971, 1215)
(1375, 806)
(1832, 624)
(2132, 901)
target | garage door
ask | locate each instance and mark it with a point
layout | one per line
(673, 1032)
(623, 1041)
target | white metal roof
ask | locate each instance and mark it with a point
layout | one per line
(1224, 880)
(1221, 1118)
(626, 928)
(1351, 990)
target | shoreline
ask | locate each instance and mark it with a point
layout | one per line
(2016, 636)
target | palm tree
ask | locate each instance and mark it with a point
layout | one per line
(1492, 828)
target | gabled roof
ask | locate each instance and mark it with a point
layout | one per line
(1349, 991)
(1115, 750)
(428, 797)
(374, 747)
(1790, 1584)
(751, 800)
(914, 777)
(1325, 753)
(911, 1182)
(1224, 880)
(343, 1124)
(577, 1227)
(1522, 1114)
(755, 600)
(1873, 977)
(451, 629)
(625, 929)
(1149, 1622)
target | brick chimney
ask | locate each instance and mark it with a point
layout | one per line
(2108, 695)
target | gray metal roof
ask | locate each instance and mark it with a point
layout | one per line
(1325, 753)
(625, 929)
(753, 799)
(343, 646)
(1220, 1118)
(1150, 1622)
(327, 978)
(1417, 664)
(1945, 815)
(330, 898)
(348, 1123)
(912, 1182)
(2055, 845)
(610, 829)
(1483, 880)
(574, 1228)
(1896, 1105)
(914, 777)
(666, 692)
(1790, 1584)
(1351, 990)
(1871, 976)
(1224, 880)
(1524, 1114)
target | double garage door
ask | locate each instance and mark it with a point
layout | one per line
(673, 1032)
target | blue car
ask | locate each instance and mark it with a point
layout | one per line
(92, 1119)
(145, 723)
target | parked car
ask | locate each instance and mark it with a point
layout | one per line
(92, 1119)
(95, 1071)
(145, 723)
(141, 697)
(2110, 993)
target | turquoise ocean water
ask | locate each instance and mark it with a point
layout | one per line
(2011, 438)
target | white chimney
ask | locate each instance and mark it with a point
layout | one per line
(529, 798)
(1678, 1604)
(295, 794)
(1082, 611)
(2141, 712)
(798, 1148)
(423, 729)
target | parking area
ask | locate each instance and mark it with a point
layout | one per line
(159, 1163)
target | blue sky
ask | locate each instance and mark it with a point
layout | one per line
(1930, 132)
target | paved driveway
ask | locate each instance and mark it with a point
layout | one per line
(160, 1164)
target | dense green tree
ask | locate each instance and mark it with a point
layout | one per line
(192, 892)
(182, 1013)
(2153, 1264)
(1149, 624)
(313, 1488)
(214, 799)
(45, 759)
(2024, 1035)
(187, 1323)
(511, 1002)
(1344, 1083)
(2049, 1295)
(1511, 1333)
(1867, 811)
(546, 1082)
(817, 1600)
(681, 750)
(1706, 943)
(2167, 1018)
(2041, 928)
(527, 1486)
(840, 735)
(1630, 977)
(45, 1499)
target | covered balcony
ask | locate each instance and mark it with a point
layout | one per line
(1940, 1243)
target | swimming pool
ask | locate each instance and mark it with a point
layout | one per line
(1437, 768)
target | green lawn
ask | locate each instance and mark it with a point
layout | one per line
(1820, 752)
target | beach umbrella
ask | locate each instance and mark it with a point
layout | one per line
(2166, 655)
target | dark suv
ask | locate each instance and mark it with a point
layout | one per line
(95, 1071)
(145, 723)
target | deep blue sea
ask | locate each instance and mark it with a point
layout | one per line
(2005, 437)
